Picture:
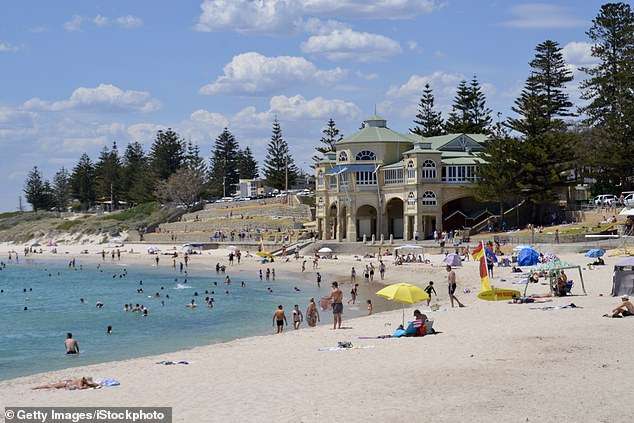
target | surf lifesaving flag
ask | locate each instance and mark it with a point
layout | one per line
(479, 254)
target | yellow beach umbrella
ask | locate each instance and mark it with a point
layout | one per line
(405, 293)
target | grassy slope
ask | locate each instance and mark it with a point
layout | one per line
(24, 227)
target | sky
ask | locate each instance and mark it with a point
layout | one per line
(78, 75)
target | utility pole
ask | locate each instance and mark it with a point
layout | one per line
(111, 198)
(20, 205)
(286, 182)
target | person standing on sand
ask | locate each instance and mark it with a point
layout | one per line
(337, 304)
(318, 280)
(370, 308)
(72, 347)
(280, 319)
(451, 281)
(382, 269)
(353, 275)
(298, 317)
(429, 290)
(312, 314)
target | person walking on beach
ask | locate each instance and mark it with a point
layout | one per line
(353, 275)
(353, 294)
(280, 319)
(429, 289)
(451, 285)
(336, 296)
(382, 269)
(312, 314)
(298, 317)
(72, 347)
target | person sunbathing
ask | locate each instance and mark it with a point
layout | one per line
(626, 308)
(81, 383)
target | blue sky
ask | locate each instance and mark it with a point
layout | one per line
(77, 75)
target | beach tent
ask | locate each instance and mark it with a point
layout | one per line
(410, 247)
(595, 252)
(552, 269)
(324, 250)
(623, 278)
(453, 260)
(527, 257)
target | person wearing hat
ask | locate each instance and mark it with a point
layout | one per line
(626, 308)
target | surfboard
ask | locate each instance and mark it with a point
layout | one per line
(498, 294)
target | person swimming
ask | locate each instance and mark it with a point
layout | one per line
(192, 304)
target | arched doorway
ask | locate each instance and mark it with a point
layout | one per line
(394, 214)
(366, 221)
(332, 222)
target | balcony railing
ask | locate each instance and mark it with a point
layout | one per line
(393, 176)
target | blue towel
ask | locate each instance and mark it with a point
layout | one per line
(109, 382)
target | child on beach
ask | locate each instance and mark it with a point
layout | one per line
(369, 307)
(429, 289)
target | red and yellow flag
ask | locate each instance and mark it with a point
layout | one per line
(478, 254)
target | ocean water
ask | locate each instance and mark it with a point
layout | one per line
(32, 341)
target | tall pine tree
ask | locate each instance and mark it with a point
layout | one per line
(278, 160)
(223, 173)
(61, 189)
(136, 178)
(610, 91)
(82, 182)
(331, 136)
(37, 190)
(469, 114)
(247, 165)
(545, 145)
(167, 154)
(107, 174)
(429, 122)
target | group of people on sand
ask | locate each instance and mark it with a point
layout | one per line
(312, 316)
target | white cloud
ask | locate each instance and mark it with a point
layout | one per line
(254, 74)
(542, 16)
(367, 76)
(578, 53)
(7, 48)
(298, 108)
(412, 45)
(402, 100)
(38, 29)
(105, 97)
(282, 16)
(320, 27)
(210, 118)
(351, 45)
(129, 22)
(101, 20)
(74, 24)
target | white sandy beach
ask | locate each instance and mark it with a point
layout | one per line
(492, 361)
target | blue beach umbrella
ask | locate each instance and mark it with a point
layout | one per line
(528, 257)
(595, 252)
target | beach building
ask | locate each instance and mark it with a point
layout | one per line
(381, 183)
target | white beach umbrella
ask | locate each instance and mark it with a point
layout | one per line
(324, 250)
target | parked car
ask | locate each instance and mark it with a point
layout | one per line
(225, 200)
(605, 200)
(628, 201)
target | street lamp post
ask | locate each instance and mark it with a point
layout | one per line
(286, 179)
(224, 188)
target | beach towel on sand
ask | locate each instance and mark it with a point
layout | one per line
(364, 347)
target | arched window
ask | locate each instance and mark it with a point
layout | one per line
(343, 156)
(411, 170)
(365, 155)
(320, 178)
(411, 200)
(429, 169)
(429, 198)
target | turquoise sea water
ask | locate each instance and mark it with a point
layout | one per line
(32, 341)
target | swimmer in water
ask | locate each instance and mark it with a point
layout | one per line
(192, 304)
(109, 330)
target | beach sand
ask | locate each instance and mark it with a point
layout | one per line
(492, 361)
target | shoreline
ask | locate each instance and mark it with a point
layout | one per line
(488, 359)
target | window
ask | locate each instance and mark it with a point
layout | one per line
(366, 155)
(343, 156)
(411, 200)
(459, 173)
(366, 178)
(343, 180)
(333, 181)
(429, 169)
(411, 170)
(320, 178)
(393, 176)
(429, 198)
